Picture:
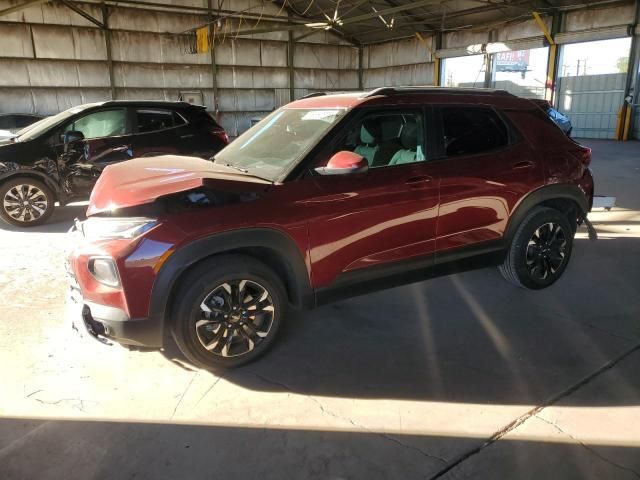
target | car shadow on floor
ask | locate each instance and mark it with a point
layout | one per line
(470, 337)
(60, 222)
(128, 449)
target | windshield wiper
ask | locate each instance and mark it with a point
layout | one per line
(235, 167)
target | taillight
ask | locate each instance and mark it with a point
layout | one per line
(583, 154)
(221, 134)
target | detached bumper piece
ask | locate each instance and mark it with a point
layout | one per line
(108, 325)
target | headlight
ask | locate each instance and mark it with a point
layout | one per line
(97, 228)
(104, 270)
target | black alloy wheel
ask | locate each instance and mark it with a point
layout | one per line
(540, 249)
(235, 318)
(227, 311)
(25, 202)
(546, 251)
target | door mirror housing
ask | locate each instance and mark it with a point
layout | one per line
(344, 163)
(71, 137)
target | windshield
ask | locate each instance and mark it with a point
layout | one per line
(273, 146)
(35, 130)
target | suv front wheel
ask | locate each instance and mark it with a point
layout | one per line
(25, 202)
(227, 311)
(540, 249)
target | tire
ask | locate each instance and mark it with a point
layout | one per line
(13, 194)
(203, 289)
(540, 250)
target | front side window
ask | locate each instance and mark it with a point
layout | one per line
(271, 148)
(106, 123)
(469, 130)
(152, 120)
(387, 138)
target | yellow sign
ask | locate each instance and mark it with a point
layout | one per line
(202, 39)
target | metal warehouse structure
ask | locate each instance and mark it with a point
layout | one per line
(257, 55)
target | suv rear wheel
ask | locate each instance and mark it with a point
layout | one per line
(540, 250)
(228, 311)
(25, 202)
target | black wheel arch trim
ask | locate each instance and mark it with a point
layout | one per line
(543, 194)
(297, 280)
(7, 173)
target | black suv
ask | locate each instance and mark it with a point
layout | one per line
(60, 158)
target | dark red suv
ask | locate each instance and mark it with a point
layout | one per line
(327, 197)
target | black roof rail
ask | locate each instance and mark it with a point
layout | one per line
(315, 94)
(429, 89)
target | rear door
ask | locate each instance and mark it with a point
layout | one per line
(158, 131)
(489, 169)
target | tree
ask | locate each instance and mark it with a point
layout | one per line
(622, 64)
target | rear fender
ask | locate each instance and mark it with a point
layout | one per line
(546, 194)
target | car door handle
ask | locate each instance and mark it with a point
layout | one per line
(523, 164)
(418, 181)
(188, 135)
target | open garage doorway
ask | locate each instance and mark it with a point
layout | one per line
(591, 81)
(521, 72)
(468, 71)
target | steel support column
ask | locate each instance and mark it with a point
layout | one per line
(553, 59)
(290, 60)
(631, 86)
(360, 69)
(107, 44)
(437, 45)
(214, 66)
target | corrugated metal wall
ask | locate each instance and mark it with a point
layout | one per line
(403, 62)
(592, 103)
(51, 58)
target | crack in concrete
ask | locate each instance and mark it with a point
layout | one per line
(597, 327)
(590, 449)
(534, 411)
(175, 409)
(79, 403)
(208, 391)
(356, 425)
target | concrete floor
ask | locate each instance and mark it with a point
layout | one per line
(458, 377)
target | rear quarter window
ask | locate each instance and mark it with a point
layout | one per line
(472, 130)
(202, 119)
(536, 126)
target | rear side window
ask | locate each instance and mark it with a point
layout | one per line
(469, 130)
(202, 118)
(152, 120)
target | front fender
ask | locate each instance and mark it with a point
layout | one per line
(44, 170)
(286, 249)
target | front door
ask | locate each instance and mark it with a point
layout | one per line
(363, 224)
(107, 140)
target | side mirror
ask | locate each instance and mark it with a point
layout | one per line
(344, 163)
(71, 137)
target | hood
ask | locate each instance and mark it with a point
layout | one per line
(143, 180)
(6, 135)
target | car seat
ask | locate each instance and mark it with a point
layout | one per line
(370, 134)
(411, 151)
